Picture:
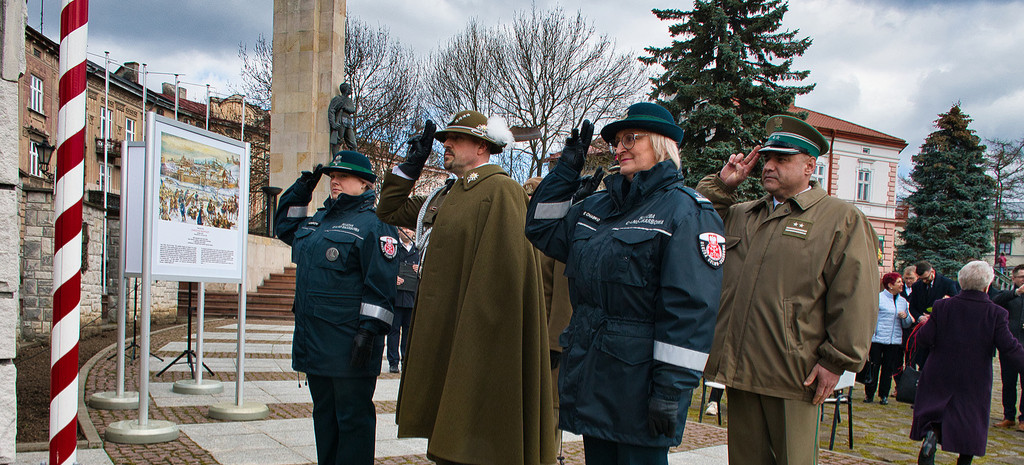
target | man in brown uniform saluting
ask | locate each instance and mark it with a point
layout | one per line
(477, 383)
(799, 297)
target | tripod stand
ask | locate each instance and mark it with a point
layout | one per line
(135, 327)
(188, 353)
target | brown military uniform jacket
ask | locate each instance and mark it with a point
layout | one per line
(800, 288)
(477, 382)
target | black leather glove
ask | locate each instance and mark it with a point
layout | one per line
(311, 179)
(419, 150)
(662, 416)
(362, 346)
(555, 357)
(574, 154)
(588, 185)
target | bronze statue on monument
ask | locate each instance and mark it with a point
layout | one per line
(341, 118)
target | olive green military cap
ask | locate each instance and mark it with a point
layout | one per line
(789, 135)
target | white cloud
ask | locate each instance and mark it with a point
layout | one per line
(890, 66)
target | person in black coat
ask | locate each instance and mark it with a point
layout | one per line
(930, 286)
(954, 394)
(1013, 301)
(408, 282)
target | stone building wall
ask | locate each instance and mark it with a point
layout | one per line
(36, 225)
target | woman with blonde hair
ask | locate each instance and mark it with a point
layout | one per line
(644, 262)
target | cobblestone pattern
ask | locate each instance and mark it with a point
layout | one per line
(880, 432)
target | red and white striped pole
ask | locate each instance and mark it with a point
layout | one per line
(67, 243)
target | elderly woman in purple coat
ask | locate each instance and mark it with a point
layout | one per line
(954, 394)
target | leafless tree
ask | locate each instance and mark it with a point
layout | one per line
(385, 78)
(1005, 160)
(461, 73)
(552, 71)
(545, 70)
(256, 72)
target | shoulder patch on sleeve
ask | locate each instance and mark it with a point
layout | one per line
(697, 197)
(712, 248)
(388, 247)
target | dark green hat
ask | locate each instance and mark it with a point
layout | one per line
(492, 130)
(647, 116)
(354, 163)
(789, 135)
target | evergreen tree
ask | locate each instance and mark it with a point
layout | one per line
(950, 221)
(724, 76)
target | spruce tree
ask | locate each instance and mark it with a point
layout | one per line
(724, 76)
(950, 221)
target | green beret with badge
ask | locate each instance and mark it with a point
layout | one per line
(788, 135)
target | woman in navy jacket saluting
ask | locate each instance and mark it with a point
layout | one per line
(644, 261)
(346, 273)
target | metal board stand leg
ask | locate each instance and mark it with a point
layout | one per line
(240, 410)
(143, 430)
(119, 399)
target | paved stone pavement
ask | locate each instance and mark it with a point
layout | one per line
(285, 437)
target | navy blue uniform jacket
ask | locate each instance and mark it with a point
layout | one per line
(644, 281)
(345, 279)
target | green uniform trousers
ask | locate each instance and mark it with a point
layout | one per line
(765, 430)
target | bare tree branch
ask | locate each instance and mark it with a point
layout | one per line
(545, 69)
(256, 72)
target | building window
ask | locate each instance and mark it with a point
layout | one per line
(864, 185)
(1005, 245)
(819, 174)
(36, 98)
(33, 159)
(104, 176)
(129, 129)
(105, 117)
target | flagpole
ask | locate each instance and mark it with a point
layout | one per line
(67, 258)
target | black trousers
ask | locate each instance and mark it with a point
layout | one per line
(1010, 378)
(344, 419)
(885, 358)
(398, 338)
(601, 452)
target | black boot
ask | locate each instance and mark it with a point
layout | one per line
(928, 446)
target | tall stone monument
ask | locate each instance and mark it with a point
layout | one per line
(309, 62)
(12, 65)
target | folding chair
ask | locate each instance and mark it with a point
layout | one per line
(846, 381)
(703, 398)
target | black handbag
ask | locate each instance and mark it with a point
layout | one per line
(906, 387)
(867, 375)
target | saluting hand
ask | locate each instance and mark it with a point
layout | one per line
(419, 150)
(738, 168)
(574, 154)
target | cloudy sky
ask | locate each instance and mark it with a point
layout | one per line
(892, 66)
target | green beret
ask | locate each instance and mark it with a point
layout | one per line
(354, 163)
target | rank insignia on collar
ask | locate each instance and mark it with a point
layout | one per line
(389, 247)
(472, 177)
(712, 247)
